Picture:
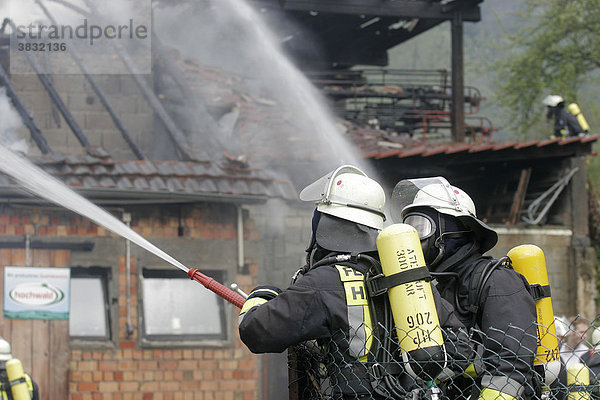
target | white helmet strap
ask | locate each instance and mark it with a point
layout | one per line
(333, 199)
(452, 195)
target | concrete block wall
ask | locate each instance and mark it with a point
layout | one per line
(556, 245)
(285, 234)
(88, 111)
(125, 369)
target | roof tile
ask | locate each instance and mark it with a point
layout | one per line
(140, 183)
(174, 185)
(124, 183)
(224, 186)
(157, 184)
(107, 182)
(206, 185)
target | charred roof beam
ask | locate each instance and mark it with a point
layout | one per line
(52, 92)
(411, 9)
(99, 92)
(36, 133)
(178, 138)
(372, 49)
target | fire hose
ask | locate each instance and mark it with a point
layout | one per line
(50, 188)
(217, 288)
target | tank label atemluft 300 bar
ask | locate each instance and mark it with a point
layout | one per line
(412, 303)
(419, 327)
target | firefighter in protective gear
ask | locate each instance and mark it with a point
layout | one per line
(7, 380)
(566, 124)
(592, 357)
(329, 301)
(488, 297)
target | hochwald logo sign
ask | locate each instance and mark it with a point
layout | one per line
(36, 294)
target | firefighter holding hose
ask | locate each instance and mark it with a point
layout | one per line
(14, 383)
(491, 299)
(330, 310)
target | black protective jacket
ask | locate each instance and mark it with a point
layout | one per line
(565, 123)
(315, 307)
(505, 315)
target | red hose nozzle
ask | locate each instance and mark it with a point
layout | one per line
(214, 286)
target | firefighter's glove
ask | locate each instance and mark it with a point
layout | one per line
(264, 292)
(260, 295)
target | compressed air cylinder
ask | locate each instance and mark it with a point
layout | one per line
(412, 303)
(578, 375)
(16, 377)
(576, 111)
(529, 261)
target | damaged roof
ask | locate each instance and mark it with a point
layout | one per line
(109, 181)
(379, 145)
(357, 32)
(244, 166)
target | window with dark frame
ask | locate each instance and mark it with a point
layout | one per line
(177, 308)
(89, 315)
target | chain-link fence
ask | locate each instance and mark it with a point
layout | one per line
(564, 366)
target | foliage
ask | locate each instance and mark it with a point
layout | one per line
(555, 51)
(594, 224)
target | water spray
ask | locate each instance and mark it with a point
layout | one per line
(42, 184)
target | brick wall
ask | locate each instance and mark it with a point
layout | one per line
(125, 369)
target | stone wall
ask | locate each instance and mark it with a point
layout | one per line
(571, 269)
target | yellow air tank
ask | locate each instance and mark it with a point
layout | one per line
(412, 303)
(16, 377)
(578, 375)
(576, 111)
(529, 261)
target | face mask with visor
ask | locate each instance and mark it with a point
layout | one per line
(440, 235)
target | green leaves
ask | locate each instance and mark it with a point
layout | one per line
(555, 51)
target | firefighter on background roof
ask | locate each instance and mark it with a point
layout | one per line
(24, 387)
(486, 295)
(569, 121)
(329, 302)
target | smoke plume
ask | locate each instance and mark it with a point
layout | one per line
(10, 122)
(306, 141)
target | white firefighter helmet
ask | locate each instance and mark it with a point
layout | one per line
(438, 194)
(553, 100)
(561, 324)
(5, 353)
(348, 193)
(595, 338)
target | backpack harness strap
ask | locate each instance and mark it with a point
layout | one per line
(475, 287)
(483, 272)
(539, 292)
(380, 284)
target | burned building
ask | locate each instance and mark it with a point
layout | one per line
(206, 163)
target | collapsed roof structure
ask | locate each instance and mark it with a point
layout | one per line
(221, 122)
(198, 138)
